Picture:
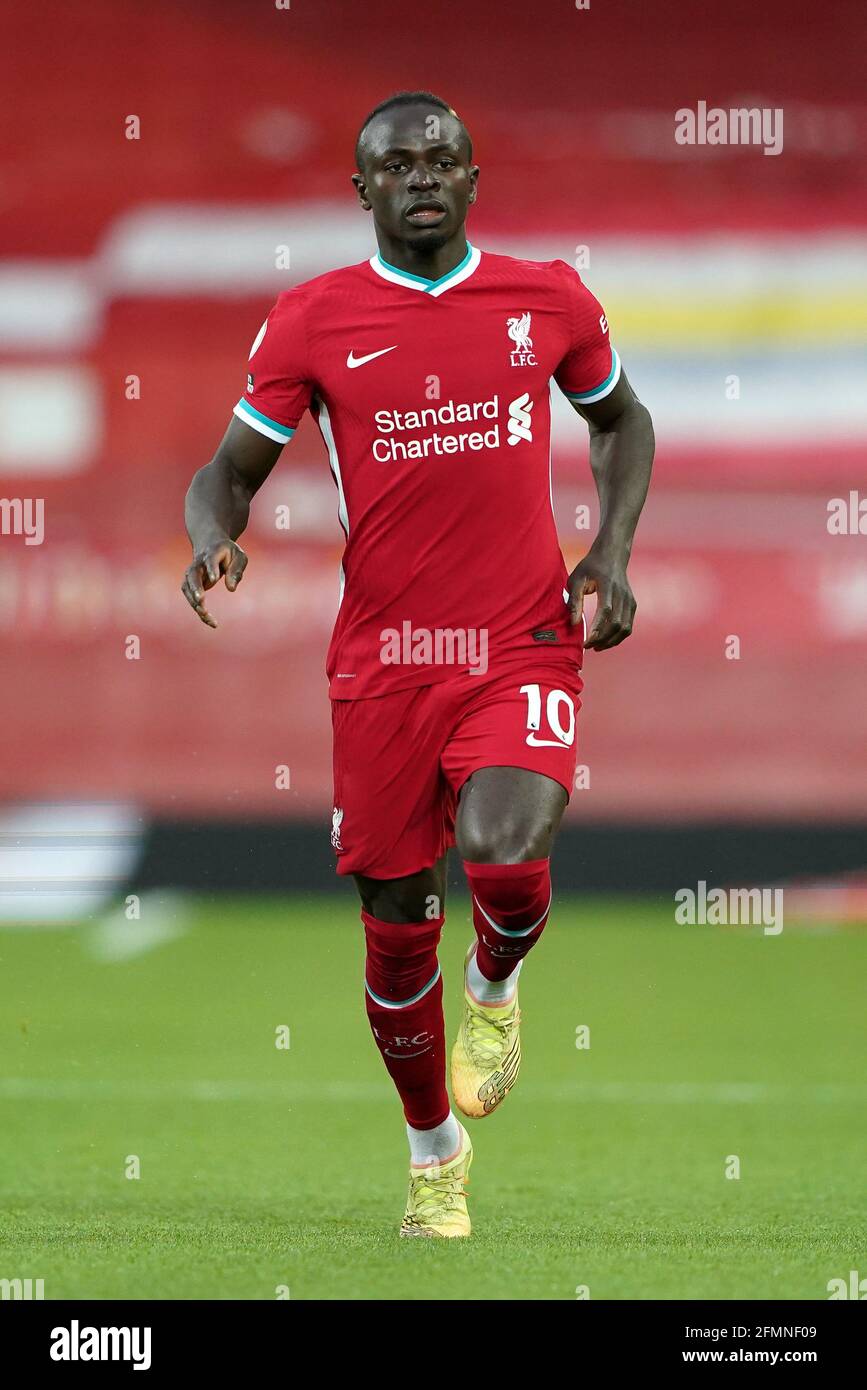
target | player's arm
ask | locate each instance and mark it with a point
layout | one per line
(279, 390)
(621, 457)
(217, 510)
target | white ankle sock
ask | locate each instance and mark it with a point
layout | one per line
(491, 991)
(429, 1145)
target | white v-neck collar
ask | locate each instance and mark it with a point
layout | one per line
(462, 271)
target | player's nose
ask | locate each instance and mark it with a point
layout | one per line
(423, 178)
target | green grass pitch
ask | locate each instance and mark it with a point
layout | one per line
(264, 1168)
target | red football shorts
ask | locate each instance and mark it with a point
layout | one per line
(400, 760)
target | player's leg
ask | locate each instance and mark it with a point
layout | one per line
(507, 819)
(403, 919)
(405, 899)
(512, 759)
(508, 815)
(391, 835)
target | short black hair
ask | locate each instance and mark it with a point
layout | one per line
(409, 99)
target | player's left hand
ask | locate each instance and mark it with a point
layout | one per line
(603, 574)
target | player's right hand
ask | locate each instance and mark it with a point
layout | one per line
(222, 557)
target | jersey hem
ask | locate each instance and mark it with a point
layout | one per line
(530, 657)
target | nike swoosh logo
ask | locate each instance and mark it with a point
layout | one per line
(353, 361)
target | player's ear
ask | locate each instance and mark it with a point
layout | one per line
(358, 181)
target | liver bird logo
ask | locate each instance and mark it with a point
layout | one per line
(519, 332)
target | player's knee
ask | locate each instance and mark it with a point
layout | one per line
(500, 844)
(414, 899)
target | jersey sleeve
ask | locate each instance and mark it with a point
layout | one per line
(279, 388)
(591, 368)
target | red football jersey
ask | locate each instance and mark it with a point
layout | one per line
(433, 400)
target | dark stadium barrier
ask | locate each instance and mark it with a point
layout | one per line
(276, 857)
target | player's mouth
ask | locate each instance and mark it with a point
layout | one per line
(427, 214)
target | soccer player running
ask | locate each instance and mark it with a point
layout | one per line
(455, 664)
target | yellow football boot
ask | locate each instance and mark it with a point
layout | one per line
(436, 1204)
(486, 1057)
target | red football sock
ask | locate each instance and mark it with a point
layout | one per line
(510, 908)
(404, 994)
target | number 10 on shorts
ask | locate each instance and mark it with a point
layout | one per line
(556, 700)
